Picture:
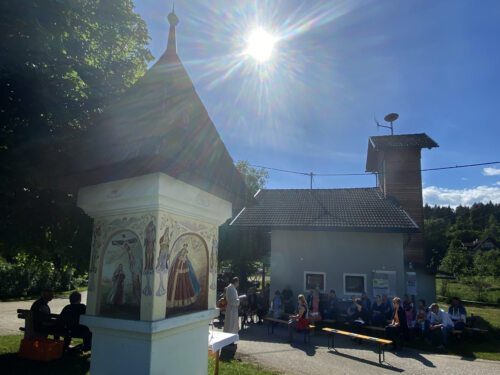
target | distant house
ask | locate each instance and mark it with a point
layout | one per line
(351, 240)
(488, 243)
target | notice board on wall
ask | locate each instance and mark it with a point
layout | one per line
(384, 282)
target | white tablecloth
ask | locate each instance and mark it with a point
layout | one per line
(217, 340)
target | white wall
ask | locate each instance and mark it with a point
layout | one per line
(335, 253)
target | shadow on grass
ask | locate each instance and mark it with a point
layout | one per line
(10, 363)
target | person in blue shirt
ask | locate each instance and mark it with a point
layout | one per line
(457, 313)
(378, 312)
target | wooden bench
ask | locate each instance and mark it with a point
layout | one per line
(29, 329)
(274, 321)
(381, 342)
(459, 332)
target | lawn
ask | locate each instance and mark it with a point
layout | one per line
(464, 288)
(80, 364)
(484, 347)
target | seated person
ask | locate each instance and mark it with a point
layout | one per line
(43, 325)
(399, 326)
(457, 313)
(421, 320)
(409, 311)
(359, 318)
(440, 325)
(366, 301)
(300, 320)
(351, 309)
(70, 321)
(287, 298)
(276, 305)
(388, 313)
(378, 312)
(332, 305)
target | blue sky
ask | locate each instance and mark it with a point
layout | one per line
(338, 64)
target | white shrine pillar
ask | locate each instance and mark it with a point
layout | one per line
(153, 274)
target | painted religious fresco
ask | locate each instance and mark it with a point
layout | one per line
(120, 282)
(187, 287)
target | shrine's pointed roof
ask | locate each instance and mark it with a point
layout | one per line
(161, 125)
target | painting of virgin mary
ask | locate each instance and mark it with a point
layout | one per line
(183, 285)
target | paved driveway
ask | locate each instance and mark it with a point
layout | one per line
(10, 323)
(272, 352)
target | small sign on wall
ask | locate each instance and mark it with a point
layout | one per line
(411, 283)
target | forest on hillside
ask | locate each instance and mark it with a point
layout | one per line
(448, 230)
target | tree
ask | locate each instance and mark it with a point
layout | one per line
(487, 263)
(436, 242)
(62, 61)
(244, 249)
(457, 260)
(255, 179)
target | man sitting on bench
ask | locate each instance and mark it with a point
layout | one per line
(299, 321)
(43, 325)
(70, 321)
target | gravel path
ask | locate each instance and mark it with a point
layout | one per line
(270, 351)
(10, 323)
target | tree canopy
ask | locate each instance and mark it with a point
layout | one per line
(448, 231)
(62, 61)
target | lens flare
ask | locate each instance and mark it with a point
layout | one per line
(260, 45)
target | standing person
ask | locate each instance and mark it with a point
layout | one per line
(277, 305)
(43, 325)
(457, 313)
(300, 320)
(398, 326)
(70, 321)
(231, 321)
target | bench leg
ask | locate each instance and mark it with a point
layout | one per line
(331, 337)
(381, 353)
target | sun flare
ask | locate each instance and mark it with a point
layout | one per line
(260, 45)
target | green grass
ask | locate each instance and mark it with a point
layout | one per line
(80, 364)
(463, 288)
(479, 346)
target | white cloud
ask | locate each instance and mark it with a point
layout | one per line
(491, 171)
(465, 197)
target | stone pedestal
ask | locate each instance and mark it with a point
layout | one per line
(153, 274)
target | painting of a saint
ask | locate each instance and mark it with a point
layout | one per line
(213, 263)
(162, 262)
(183, 285)
(116, 295)
(120, 276)
(149, 254)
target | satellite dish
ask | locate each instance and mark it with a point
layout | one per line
(391, 117)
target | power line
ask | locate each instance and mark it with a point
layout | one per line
(311, 174)
(460, 166)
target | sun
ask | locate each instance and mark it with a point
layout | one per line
(260, 45)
